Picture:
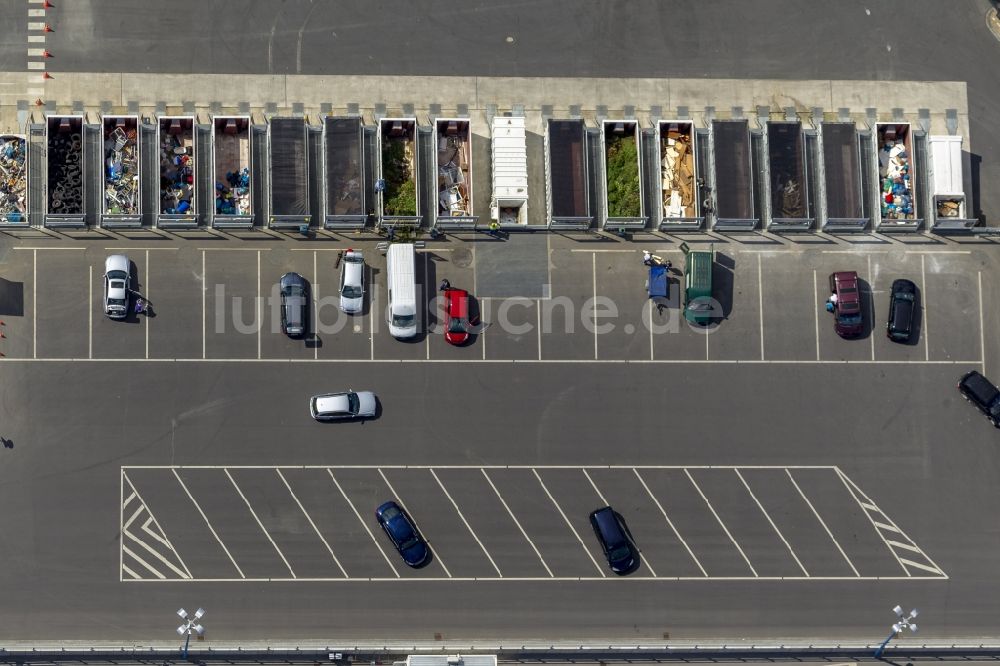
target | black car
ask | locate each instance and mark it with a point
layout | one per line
(983, 394)
(294, 304)
(902, 311)
(615, 540)
(403, 533)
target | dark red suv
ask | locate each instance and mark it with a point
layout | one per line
(847, 317)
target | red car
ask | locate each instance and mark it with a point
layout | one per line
(456, 316)
(847, 317)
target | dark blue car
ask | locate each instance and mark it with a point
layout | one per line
(403, 533)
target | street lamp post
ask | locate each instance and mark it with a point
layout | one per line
(904, 622)
(190, 626)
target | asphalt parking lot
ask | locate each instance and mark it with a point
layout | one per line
(170, 460)
(222, 304)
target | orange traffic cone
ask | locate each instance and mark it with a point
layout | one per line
(2, 335)
(48, 28)
(47, 5)
(39, 102)
(46, 75)
(46, 54)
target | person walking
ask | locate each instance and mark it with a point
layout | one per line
(445, 285)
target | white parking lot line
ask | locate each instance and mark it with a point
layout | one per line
(669, 522)
(362, 521)
(482, 335)
(719, 520)
(816, 310)
(538, 325)
(207, 522)
(260, 524)
(776, 530)
(649, 310)
(593, 271)
(518, 523)
(309, 518)
(822, 522)
(923, 306)
(467, 525)
(204, 296)
(34, 304)
(90, 312)
(399, 498)
(982, 335)
(760, 304)
(569, 524)
(375, 313)
(258, 315)
(871, 297)
(427, 333)
(145, 321)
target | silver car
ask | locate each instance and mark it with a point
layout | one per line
(346, 405)
(117, 281)
(352, 282)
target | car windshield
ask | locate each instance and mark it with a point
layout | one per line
(849, 318)
(293, 290)
(619, 553)
(848, 290)
(116, 301)
(390, 513)
(402, 321)
(353, 404)
(904, 296)
(457, 325)
(117, 275)
(351, 291)
(409, 543)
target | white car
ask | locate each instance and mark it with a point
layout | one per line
(117, 279)
(346, 405)
(352, 282)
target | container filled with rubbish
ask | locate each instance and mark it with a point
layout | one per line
(786, 159)
(122, 202)
(175, 138)
(65, 151)
(624, 206)
(232, 167)
(343, 152)
(398, 194)
(679, 199)
(897, 173)
(453, 139)
(13, 179)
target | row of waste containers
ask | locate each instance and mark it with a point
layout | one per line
(174, 171)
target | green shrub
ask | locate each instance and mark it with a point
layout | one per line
(623, 177)
(400, 196)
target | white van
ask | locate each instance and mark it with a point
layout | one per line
(402, 314)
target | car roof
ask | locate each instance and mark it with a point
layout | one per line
(979, 386)
(847, 300)
(332, 402)
(353, 270)
(458, 302)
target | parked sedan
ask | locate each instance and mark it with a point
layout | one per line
(981, 392)
(340, 406)
(456, 316)
(294, 304)
(403, 533)
(352, 282)
(117, 280)
(902, 310)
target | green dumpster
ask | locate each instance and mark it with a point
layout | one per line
(699, 306)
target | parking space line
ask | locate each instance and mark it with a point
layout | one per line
(923, 306)
(871, 304)
(482, 335)
(258, 315)
(518, 523)
(669, 522)
(208, 522)
(151, 518)
(563, 514)
(538, 325)
(309, 518)
(467, 525)
(145, 321)
(649, 310)
(760, 304)
(90, 312)
(374, 306)
(822, 522)
(525, 579)
(361, 520)
(34, 304)
(260, 524)
(508, 361)
(776, 530)
(203, 305)
(717, 518)
(982, 335)
(399, 498)
(315, 309)
(121, 521)
(427, 332)
(593, 319)
(816, 310)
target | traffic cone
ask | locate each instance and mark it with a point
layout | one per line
(46, 54)
(48, 28)
(39, 102)
(2, 335)
(46, 75)
(47, 5)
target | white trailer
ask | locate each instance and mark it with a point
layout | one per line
(948, 206)
(509, 204)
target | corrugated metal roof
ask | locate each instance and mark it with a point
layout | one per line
(946, 163)
(510, 158)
